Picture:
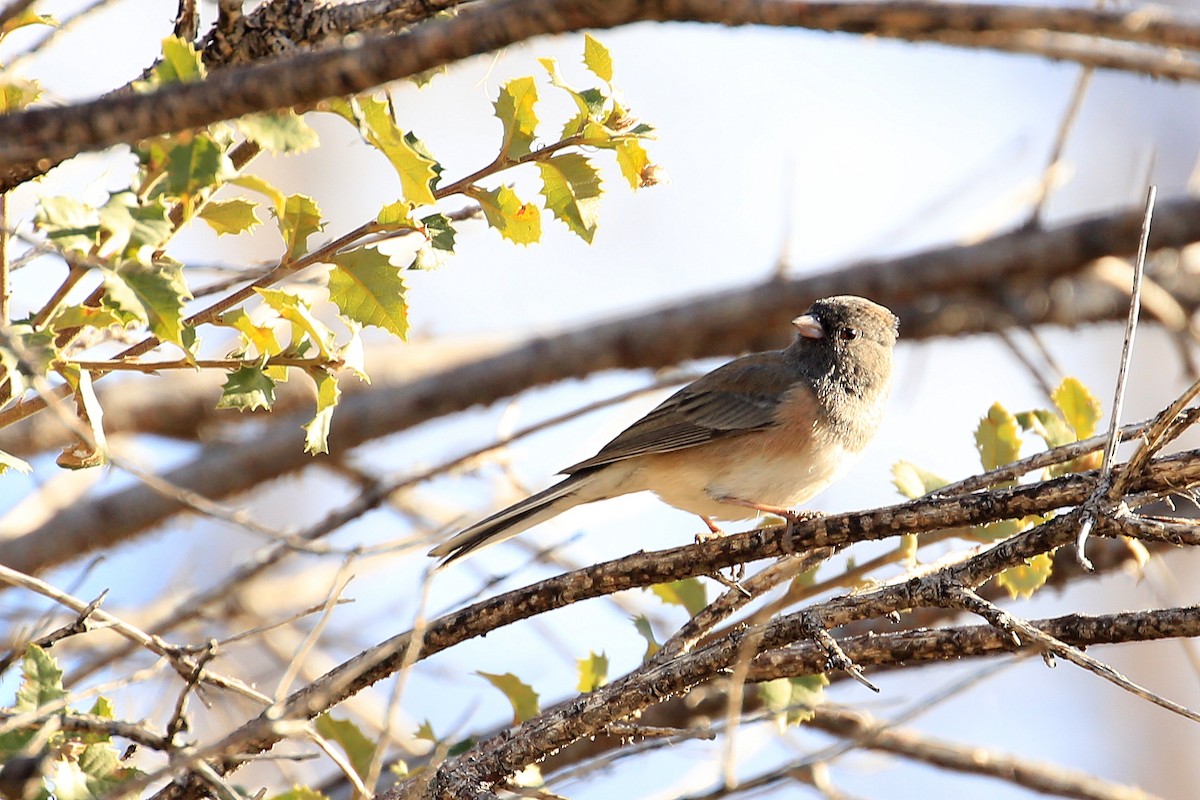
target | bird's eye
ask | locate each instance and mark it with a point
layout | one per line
(849, 334)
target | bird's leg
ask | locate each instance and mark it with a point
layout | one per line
(792, 516)
(735, 573)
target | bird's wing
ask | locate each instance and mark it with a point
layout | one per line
(737, 398)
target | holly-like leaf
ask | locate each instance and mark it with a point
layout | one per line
(1052, 428)
(230, 216)
(520, 223)
(41, 680)
(439, 242)
(131, 229)
(396, 216)
(641, 623)
(25, 17)
(688, 593)
(68, 223)
(358, 747)
(1025, 579)
(246, 389)
(1079, 407)
(297, 312)
(521, 695)
(514, 108)
(154, 294)
(264, 187)
(997, 438)
(572, 190)
(316, 432)
(590, 102)
(299, 219)
(181, 62)
(597, 58)
(913, 481)
(593, 671)
(260, 337)
(425, 731)
(279, 131)
(793, 700)
(18, 93)
(367, 288)
(194, 163)
(633, 161)
(417, 171)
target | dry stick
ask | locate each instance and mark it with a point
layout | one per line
(1090, 510)
(968, 600)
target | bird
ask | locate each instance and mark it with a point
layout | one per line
(763, 433)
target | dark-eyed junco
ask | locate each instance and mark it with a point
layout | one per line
(764, 432)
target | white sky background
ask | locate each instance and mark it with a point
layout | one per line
(832, 148)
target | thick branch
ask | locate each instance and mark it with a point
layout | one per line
(47, 134)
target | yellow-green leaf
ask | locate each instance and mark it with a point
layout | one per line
(246, 389)
(1025, 579)
(688, 593)
(297, 312)
(27, 16)
(230, 216)
(194, 164)
(514, 108)
(279, 131)
(1052, 429)
(523, 698)
(520, 223)
(261, 185)
(997, 438)
(793, 700)
(316, 432)
(155, 293)
(633, 161)
(396, 216)
(299, 219)
(572, 190)
(367, 288)
(907, 551)
(358, 747)
(181, 62)
(299, 793)
(1079, 407)
(261, 337)
(417, 171)
(18, 93)
(913, 481)
(597, 58)
(593, 671)
(439, 242)
(9, 461)
(41, 680)
(131, 229)
(68, 223)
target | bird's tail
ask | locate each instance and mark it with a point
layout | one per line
(505, 524)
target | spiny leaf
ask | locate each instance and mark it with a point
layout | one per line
(913, 481)
(256, 183)
(299, 219)
(1025, 579)
(367, 288)
(357, 746)
(69, 223)
(590, 102)
(297, 312)
(439, 236)
(997, 438)
(514, 108)
(247, 388)
(425, 731)
(194, 163)
(396, 215)
(597, 58)
(633, 161)
(572, 190)
(41, 680)
(418, 172)
(230, 216)
(131, 229)
(520, 223)
(593, 671)
(26, 16)
(181, 62)
(279, 132)
(688, 592)
(316, 432)
(1079, 407)
(1052, 429)
(793, 700)
(523, 698)
(156, 293)
(261, 337)
(18, 93)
